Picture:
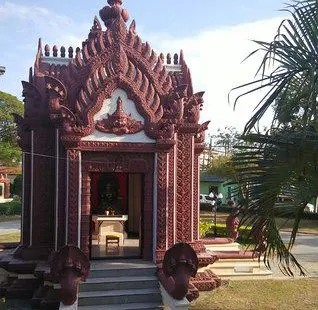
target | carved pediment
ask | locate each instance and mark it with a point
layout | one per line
(119, 123)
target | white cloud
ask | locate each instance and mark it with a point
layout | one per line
(20, 28)
(215, 60)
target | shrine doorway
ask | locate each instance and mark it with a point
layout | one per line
(116, 206)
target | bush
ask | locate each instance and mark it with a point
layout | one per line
(205, 227)
(207, 230)
(16, 187)
(10, 208)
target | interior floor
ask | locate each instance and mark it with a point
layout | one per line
(129, 249)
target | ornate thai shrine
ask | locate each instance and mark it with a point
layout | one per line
(111, 142)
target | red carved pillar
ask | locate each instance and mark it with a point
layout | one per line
(85, 217)
(26, 191)
(147, 250)
(162, 199)
(7, 189)
(43, 187)
(196, 194)
(184, 188)
(171, 197)
(62, 199)
(74, 161)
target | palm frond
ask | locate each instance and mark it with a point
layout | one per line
(284, 162)
(290, 61)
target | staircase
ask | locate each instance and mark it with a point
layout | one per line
(120, 284)
(236, 264)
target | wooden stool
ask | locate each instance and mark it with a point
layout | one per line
(112, 239)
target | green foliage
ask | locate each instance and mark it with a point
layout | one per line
(222, 166)
(207, 230)
(204, 228)
(16, 187)
(285, 159)
(227, 138)
(289, 69)
(10, 153)
(10, 208)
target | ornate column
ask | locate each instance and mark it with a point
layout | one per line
(73, 192)
(196, 193)
(42, 187)
(162, 201)
(171, 197)
(85, 214)
(184, 187)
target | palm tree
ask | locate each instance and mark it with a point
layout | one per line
(285, 158)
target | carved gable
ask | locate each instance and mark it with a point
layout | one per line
(119, 121)
(74, 91)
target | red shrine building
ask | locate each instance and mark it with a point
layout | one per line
(111, 142)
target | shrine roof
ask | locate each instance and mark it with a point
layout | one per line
(213, 178)
(54, 61)
(69, 86)
(10, 170)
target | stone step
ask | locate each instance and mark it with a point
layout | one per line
(131, 306)
(122, 268)
(118, 297)
(118, 283)
(121, 273)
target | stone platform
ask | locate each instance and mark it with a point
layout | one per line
(233, 263)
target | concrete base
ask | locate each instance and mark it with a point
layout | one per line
(171, 303)
(72, 307)
(239, 268)
(229, 247)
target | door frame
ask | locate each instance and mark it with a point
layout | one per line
(126, 162)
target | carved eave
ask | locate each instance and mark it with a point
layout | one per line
(23, 131)
(200, 137)
(35, 106)
(165, 145)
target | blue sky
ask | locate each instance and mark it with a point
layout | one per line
(215, 36)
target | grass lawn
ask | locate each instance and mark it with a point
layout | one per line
(13, 237)
(261, 295)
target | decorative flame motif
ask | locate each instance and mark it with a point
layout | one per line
(119, 123)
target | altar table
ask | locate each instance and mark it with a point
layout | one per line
(110, 225)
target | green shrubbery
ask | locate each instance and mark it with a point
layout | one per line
(207, 230)
(10, 208)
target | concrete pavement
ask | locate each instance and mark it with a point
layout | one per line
(8, 227)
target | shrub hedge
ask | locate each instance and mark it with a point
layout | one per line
(10, 208)
(207, 230)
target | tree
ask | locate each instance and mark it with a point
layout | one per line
(226, 139)
(10, 153)
(285, 159)
(222, 166)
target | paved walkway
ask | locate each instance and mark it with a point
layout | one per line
(9, 227)
(306, 252)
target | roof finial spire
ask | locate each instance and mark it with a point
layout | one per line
(110, 13)
(115, 2)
